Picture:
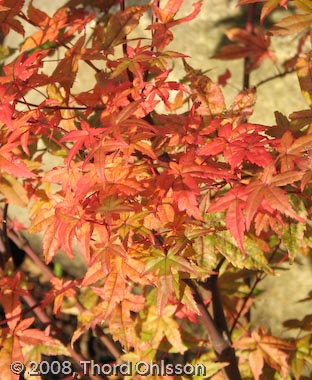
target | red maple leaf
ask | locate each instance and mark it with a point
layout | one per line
(254, 46)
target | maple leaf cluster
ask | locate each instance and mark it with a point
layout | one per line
(151, 199)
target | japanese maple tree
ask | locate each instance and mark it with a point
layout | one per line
(178, 205)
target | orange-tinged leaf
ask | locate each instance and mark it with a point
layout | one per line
(287, 158)
(42, 217)
(83, 233)
(10, 301)
(301, 144)
(248, 147)
(37, 16)
(66, 70)
(253, 202)
(10, 352)
(121, 24)
(272, 349)
(205, 91)
(35, 337)
(86, 137)
(24, 324)
(133, 269)
(287, 177)
(23, 69)
(300, 118)
(127, 112)
(50, 28)
(50, 243)
(212, 148)
(279, 201)
(305, 5)
(145, 149)
(190, 303)
(164, 291)
(94, 273)
(292, 24)
(13, 165)
(9, 10)
(266, 189)
(166, 17)
(121, 324)
(13, 190)
(61, 289)
(165, 212)
(234, 201)
(197, 7)
(112, 292)
(167, 13)
(265, 348)
(256, 363)
(89, 319)
(304, 72)
(156, 327)
(269, 6)
(254, 46)
(6, 112)
(152, 222)
(222, 203)
(179, 263)
(187, 202)
(235, 221)
(243, 104)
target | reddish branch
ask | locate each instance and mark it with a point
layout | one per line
(220, 343)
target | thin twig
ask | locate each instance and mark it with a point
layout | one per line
(259, 278)
(56, 108)
(273, 77)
